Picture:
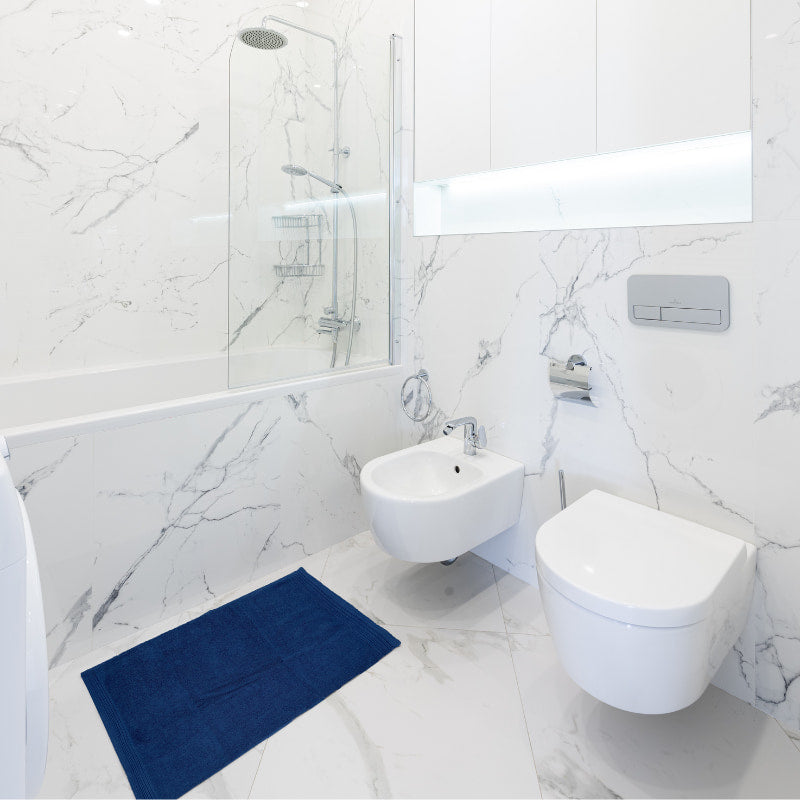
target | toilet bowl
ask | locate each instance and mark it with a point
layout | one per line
(642, 606)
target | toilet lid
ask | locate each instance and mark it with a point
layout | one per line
(635, 564)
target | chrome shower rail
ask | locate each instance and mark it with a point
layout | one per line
(336, 152)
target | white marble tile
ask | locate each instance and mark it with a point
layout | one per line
(235, 780)
(778, 641)
(737, 673)
(564, 293)
(326, 447)
(438, 717)
(794, 736)
(521, 604)
(114, 222)
(777, 426)
(718, 747)
(460, 596)
(81, 761)
(186, 509)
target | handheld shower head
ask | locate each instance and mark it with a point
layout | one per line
(298, 171)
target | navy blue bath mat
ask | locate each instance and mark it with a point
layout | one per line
(180, 707)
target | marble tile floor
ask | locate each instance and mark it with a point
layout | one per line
(474, 704)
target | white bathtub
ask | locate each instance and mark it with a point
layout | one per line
(41, 407)
(153, 488)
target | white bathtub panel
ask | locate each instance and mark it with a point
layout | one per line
(184, 509)
(135, 522)
(55, 479)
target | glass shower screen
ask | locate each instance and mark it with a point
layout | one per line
(309, 229)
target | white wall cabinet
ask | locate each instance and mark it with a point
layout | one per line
(671, 70)
(451, 87)
(542, 81)
(508, 83)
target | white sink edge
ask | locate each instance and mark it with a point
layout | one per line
(452, 446)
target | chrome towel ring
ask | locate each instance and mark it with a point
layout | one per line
(413, 399)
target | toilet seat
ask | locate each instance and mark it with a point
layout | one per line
(635, 564)
(642, 606)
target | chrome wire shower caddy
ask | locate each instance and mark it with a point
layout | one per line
(303, 228)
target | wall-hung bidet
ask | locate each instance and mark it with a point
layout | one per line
(642, 606)
(23, 661)
(433, 502)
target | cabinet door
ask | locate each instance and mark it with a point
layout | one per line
(451, 87)
(671, 70)
(543, 81)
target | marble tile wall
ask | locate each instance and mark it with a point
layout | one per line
(114, 163)
(114, 157)
(700, 425)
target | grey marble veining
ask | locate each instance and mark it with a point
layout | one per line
(202, 497)
(782, 399)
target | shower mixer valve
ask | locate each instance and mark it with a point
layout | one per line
(329, 324)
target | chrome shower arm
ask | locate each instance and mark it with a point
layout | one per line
(271, 18)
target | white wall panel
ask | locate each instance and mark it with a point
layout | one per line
(451, 107)
(671, 71)
(543, 81)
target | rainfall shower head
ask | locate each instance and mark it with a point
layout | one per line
(299, 172)
(263, 38)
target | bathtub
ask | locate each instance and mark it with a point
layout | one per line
(40, 407)
(153, 487)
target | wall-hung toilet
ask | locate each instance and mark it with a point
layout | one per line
(23, 657)
(642, 606)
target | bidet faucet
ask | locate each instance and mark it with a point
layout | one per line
(474, 436)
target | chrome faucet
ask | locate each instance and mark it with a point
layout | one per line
(474, 437)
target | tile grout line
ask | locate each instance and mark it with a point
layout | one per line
(258, 769)
(440, 628)
(793, 737)
(524, 716)
(516, 681)
(329, 548)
